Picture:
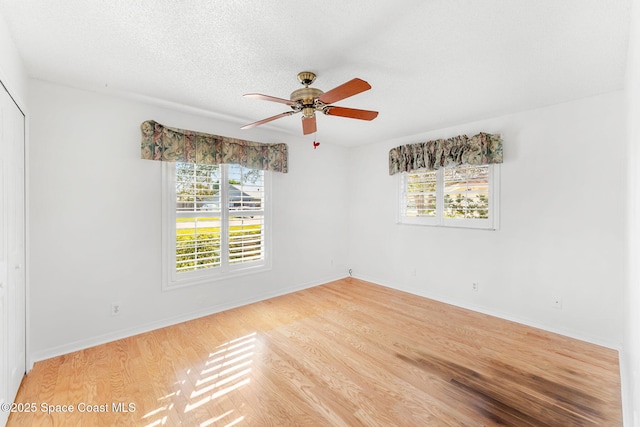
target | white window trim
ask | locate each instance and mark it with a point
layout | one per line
(170, 278)
(491, 223)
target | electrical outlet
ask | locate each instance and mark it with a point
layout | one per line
(557, 302)
(115, 308)
(414, 272)
(475, 287)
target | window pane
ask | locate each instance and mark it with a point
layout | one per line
(421, 205)
(246, 188)
(420, 197)
(197, 187)
(466, 192)
(197, 243)
(246, 239)
(422, 182)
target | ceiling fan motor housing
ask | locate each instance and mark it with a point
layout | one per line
(306, 97)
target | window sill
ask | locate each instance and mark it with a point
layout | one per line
(207, 277)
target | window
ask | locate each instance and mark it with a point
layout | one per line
(459, 196)
(215, 222)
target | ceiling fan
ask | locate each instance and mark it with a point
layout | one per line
(308, 100)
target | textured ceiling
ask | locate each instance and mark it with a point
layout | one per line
(431, 63)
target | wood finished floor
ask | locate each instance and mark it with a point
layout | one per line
(347, 353)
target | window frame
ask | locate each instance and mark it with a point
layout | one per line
(171, 279)
(490, 223)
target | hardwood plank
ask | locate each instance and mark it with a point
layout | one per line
(345, 353)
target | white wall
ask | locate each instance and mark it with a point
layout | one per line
(95, 221)
(631, 353)
(562, 228)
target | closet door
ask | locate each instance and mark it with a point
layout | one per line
(12, 249)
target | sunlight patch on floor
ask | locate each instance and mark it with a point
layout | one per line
(225, 370)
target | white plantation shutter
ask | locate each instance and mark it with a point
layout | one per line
(466, 192)
(246, 215)
(198, 218)
(197, 245)
(246, 239)
(217, 221)
(458, 196)
(418, 197)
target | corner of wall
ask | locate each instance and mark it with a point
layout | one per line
(12, 72)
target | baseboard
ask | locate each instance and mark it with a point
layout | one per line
(483, 310)
(147, 327)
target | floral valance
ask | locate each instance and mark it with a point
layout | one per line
(480, 149)
(178, 145)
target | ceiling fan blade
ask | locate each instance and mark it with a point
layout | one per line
(351, 113)
(269, 98)
(350, 88)
(268, 119)
(309, 125)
